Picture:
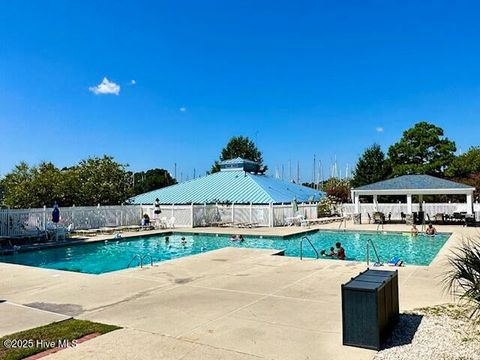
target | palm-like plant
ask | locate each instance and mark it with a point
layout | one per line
(464, 276)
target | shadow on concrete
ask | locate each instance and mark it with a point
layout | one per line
(404, 331)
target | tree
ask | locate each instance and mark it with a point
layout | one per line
(151, 180)
(17, 186)
(337, 189)
(422, 149)
(465, 165)
(371, 167)
(239, 146)
(100, 181)
(466, 169)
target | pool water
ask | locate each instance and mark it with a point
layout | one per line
(102, 257)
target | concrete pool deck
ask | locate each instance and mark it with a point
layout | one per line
(226, 304)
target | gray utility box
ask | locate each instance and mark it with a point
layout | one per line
(369, 308)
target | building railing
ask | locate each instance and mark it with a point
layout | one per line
(396, 210)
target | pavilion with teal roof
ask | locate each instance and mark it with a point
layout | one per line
(239, 181)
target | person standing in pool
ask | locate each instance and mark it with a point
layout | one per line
(340, 251)
(431, 231)
(414, 230)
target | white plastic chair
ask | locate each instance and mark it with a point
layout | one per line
(163, 222)
(171, 222)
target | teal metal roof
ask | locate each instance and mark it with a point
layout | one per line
(230, 186)
(414, 182)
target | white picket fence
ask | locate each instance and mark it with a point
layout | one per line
(397, 209)
(23, 222)
(198, 215)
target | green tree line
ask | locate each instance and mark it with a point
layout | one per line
(93, 181)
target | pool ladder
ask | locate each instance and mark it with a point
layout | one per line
(301, 247)
(370, 243)
(141, 259)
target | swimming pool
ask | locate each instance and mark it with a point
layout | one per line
(102, 257)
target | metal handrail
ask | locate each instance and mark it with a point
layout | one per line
(370, 242)
(141, 258)
(134, 257)
(301, 247)
(147, 256)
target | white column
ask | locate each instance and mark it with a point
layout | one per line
(357, 203)
(409, 203)
(375, 202)
(470, 203)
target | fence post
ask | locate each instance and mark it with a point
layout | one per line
(121, 215)
(173, 211)
(271, 214)
(250, 212)
(8, 221)
(73, 215)
(233, 213)
(191, 215)
(44, 218)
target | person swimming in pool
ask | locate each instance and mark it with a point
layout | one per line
(332, 252)
(431, 231)
(167, 239)
(184, 241)
(340, 251)
(323, 252)
(233, 238)
(240, 238)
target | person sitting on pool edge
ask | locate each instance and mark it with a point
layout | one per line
(414, 230)
(340, 251)
(431, 231)
(145, 220)
(332, 251)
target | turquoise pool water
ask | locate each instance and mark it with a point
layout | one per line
(102, 257)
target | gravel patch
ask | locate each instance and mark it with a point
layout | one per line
(443, 332)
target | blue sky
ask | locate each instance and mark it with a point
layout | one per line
(299, 77)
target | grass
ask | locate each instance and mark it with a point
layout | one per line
(70, 329)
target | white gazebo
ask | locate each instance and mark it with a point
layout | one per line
(409, 185)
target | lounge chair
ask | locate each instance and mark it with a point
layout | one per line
(171, 223)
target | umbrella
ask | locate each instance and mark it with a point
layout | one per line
(294, 206)
(55, 213)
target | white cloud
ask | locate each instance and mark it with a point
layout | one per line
(132, 82)
(105, 87)
(379, 129)
(183, 109)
